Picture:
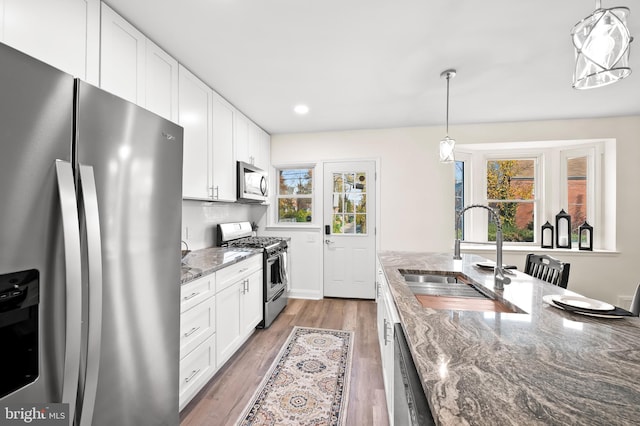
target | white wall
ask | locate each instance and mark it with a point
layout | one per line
(416, 193)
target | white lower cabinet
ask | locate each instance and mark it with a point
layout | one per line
(196, 369)
(218, 313)
(197, 336)
(387, 317)
(238, 289)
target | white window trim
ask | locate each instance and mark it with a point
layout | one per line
(550, 169)
(273, 212)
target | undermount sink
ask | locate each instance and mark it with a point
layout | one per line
(448, 292)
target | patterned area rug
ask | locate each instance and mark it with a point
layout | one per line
(308, 382)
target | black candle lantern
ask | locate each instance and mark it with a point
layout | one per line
(563, 230)
(547, 236)
(585, 237)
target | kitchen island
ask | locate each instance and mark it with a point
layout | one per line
(541, 366)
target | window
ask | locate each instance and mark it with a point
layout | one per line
(295, 195)
(528, 183)
(510, 192)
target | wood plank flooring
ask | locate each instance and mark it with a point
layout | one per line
(222, 400)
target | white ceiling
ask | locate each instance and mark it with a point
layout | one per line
(362, 64)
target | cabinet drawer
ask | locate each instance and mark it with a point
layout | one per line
(196, 291)
(196, 324)
(231, 274)
(196, 369)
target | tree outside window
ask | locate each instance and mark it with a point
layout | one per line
(510, 191)
(295, 195)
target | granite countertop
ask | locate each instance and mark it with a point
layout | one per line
(542, 367)
(206, 261)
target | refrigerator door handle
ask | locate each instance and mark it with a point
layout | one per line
(73, 275)
(94, 259)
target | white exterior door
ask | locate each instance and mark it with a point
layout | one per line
(349, 229)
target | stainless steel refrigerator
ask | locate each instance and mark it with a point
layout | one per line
(90, 218)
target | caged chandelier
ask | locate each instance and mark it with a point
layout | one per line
(447, 144)
(601, 42)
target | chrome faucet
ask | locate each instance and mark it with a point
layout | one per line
(498, 272)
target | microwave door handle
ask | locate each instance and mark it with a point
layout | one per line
(263, 185)
(73, 278)
(94, 259)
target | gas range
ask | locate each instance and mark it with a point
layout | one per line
(275, 264)
(267, 243)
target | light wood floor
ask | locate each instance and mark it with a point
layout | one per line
(222, 400)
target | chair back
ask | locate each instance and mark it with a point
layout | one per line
(548, 269)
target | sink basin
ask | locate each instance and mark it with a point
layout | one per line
(448, 292)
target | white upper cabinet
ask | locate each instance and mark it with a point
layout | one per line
(161, 82)
(252, 144)
(122, 57)
(135, 68)
(194, 114)
(241, 137)
(62, 33)
(223, 163)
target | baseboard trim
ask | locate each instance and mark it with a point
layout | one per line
(305, 294)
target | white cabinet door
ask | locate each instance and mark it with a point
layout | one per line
(161, 82)
(122, 57)
(194, 112)
(228, 327)
(241, 137)
(223, 162)
(252, 303)
(54, 32)
(263, 150)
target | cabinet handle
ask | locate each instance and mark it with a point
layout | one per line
(243, 270)
(191, 296)
(216, 192)
(193, 374)
(384, 330)
(210, 191)
(190, 332)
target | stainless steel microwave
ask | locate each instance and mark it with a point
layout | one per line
(252, 183)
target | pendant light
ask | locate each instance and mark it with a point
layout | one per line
(601, 42)
(447, 144)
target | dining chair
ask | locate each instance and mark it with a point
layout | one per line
(635, 303)
(548, 269)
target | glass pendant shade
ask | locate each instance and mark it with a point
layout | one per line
(447, 144)
(446, 150)
(601, 43)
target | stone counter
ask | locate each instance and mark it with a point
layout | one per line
(206, 261)
(542, 367)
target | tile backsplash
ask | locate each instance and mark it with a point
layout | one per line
(199, 219)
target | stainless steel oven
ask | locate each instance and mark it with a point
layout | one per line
(275, 265)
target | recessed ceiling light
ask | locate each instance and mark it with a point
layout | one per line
(301, 109)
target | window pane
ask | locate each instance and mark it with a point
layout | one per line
(510, 179)
(295, 181)
(294, 210)
(459, 194)
(577, 193)
(517, 221)
(349, 203)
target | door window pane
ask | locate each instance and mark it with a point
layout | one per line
(349, 203)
